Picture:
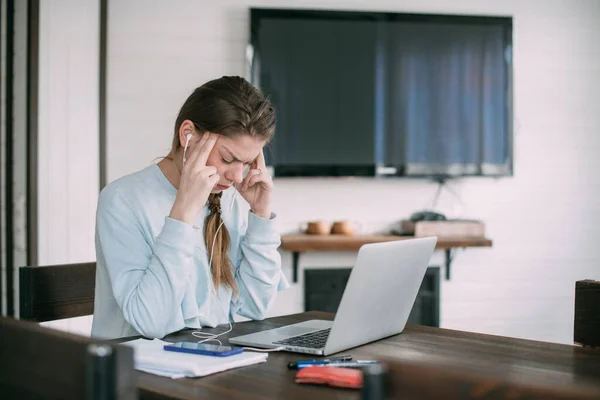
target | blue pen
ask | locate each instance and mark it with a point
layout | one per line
(308, 363)
(354, 364)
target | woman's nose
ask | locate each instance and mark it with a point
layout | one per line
(236, 173)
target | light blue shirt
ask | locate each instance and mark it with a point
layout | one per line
(152, 273)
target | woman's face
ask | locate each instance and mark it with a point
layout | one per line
(233, 156)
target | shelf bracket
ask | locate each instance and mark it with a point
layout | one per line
(295, 258)
(448, 263)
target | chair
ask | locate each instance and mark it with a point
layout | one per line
(42, 363)
(48, 293)
(586, 329)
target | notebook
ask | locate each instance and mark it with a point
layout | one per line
(150, 356)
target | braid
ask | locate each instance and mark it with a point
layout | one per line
(221, 267)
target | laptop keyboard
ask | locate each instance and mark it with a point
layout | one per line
(313, 340)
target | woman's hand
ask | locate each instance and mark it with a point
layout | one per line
(197, 181)
(257, 188)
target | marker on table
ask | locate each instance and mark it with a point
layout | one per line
(341, 364)
(307, 363)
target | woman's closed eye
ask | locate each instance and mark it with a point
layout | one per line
(228, 161)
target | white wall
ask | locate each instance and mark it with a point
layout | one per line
(68, 148)
(545, 221)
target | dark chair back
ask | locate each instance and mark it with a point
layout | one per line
(43, 363)
(53, 292)
(586, 330)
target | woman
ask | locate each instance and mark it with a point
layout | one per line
(177, 246)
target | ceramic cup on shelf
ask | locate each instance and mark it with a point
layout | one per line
(319, 227)
(345, 227)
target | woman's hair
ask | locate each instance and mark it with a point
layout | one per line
(229, 106)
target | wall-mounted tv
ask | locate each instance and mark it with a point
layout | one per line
(381, 93)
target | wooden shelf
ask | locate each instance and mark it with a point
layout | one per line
(303, 242)
(298, 243)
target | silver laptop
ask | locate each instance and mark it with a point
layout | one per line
(377, 301)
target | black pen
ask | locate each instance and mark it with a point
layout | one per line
(296, 364)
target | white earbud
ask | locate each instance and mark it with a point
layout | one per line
(187, 142)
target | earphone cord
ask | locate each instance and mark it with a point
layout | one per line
(209, 337)
(205, 335)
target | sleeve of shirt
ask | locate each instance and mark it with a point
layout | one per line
(148, 280)
(259, 276)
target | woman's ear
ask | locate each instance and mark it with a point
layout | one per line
(187, 128)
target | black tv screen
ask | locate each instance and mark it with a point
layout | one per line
(372, 94)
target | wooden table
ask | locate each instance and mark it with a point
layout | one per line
(424, 362)
(298, 243)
